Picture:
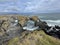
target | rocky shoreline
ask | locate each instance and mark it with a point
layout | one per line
(13, 26)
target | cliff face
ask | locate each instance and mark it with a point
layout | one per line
(12, 32)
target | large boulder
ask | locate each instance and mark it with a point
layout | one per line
(10, 29)
(57, 27)
(23, 20)
(42, 25)
(35, 18)
(30, 25)
(14, 28)
(38, 22)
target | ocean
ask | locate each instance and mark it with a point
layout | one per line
(51, 18)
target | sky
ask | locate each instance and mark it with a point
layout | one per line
(30, 6)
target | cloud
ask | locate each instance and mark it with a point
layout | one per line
(42, 6)
(10, 6)
(10, 9)
(26, 6)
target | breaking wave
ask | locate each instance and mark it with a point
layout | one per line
(53, 22)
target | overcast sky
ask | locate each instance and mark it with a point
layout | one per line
(27, 6)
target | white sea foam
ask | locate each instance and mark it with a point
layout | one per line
(52, 22)
(55, 21)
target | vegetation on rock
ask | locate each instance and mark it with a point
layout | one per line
(12, 32)
(34, 38)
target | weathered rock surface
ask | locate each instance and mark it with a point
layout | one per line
(30, 25)
(35, 18)
(23, 20)
(10, 29)
(12, 26)
(54, 31)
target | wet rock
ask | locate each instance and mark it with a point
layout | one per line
(42, 25)
(53, 31)
(38, 22)
(57, 27)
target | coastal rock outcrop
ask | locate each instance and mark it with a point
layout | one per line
(23, 20)
(15, 26)
(30, 25)
(10, 29)
(42, 24)
(35, 18)
(54, 31)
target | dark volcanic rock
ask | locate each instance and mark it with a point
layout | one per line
(53, 31)
(57, 27)
(38, 22)
(42, 25)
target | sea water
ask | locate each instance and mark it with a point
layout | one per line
(51, 18)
